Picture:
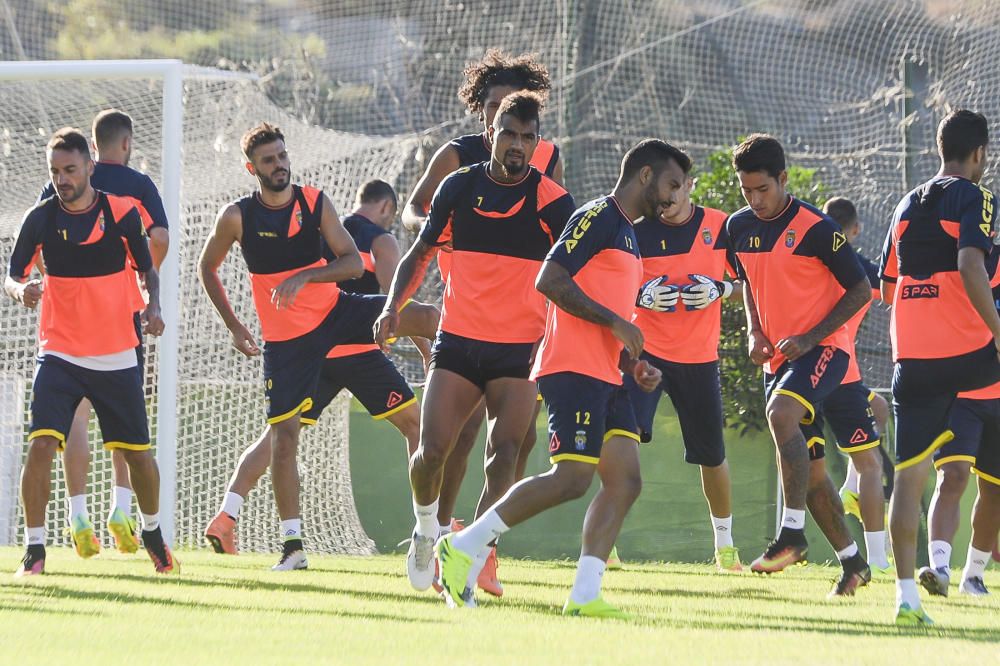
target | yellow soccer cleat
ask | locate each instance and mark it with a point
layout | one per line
(615, 562)
(596, 608)
(453, 568)
(122, 528)
(727, 558)
(84, 539)
(912, 617)
(851, 505)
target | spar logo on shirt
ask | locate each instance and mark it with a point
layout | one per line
(920, 291)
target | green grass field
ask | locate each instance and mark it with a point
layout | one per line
(232, 610)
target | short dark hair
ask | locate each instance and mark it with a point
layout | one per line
(655, 154)
(523, 105)
(843, 212)
(498, 68)
(960, 133)
(759, 152)
(258, 136)
(69, 138)
(110, 125)
(375, 191)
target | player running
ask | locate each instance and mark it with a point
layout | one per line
(89, 242)
(802, 284)
(360, 368)
(945, 329)
(487, 82)
(680, 312)
(591, 276)
(501, 218)
(112, 140)
(303, 314)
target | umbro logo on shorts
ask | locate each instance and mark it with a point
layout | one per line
(394, 399)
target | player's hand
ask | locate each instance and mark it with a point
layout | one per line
(30, 293)
(646, 376)
(283, 296)
(658, 296)
(630, 336)
(384, 328)
(761, 349)
(704, 291)
(243, 341)
(152, 322)
(795, 346)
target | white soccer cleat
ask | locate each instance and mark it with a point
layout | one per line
(292, 561)
(974, 587)
(935, 581)
(420, 562)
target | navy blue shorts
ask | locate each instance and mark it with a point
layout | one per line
(117, 397)
(584, 412)
(370, 376)
(976, 425)
(292, 368)
(481, 362)
(696, 394)
(810, 379)
(848, 411)
(923, 391)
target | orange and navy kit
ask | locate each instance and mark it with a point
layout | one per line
(492, 315)
(577, 365)
(277, 243)
(87, 324)
(361, 368)
(797, 266)
(684, 344)
(939, 342)
(475, 149)
(975, 422)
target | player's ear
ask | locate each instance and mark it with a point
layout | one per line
(250, 169)
(126, 143)
(783, 178)
(645, 174)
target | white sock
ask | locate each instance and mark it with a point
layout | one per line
(78, 507)
(444, 529)
(587, 585)
(477, 566)
(793, 518)
(875, 548)
(474, 538)
(848, 552)
(291, 529)
(851, 482)
(34, 536)
(427, 519)
(231, 505)
(906, 593)
(123, 501)
(723, 529)
(975, 563)
(150, 521)
(939, 553)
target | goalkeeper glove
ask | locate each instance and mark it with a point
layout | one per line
(654, 295)
(704, 291)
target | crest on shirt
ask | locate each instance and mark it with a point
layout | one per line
(706, 235)
(580, 441)
(100, 220)
(790, 238)
(298, 218)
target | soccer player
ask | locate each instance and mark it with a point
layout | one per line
(302, 312)
(802, 282)
(88, 242)
(111, 136)
(857, 415)
(975, 422)
(945, 329)
(487, 82)
(360, 368)
(591, 276)
(501, 217)
(680, 312)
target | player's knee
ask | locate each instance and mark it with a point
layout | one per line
(868, 461)
(629, 486)
(784, 416)
(953, 478)
(573, 480)
(43, 448)
(433, 453)
(136, 457)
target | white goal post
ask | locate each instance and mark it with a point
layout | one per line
(171, 72)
